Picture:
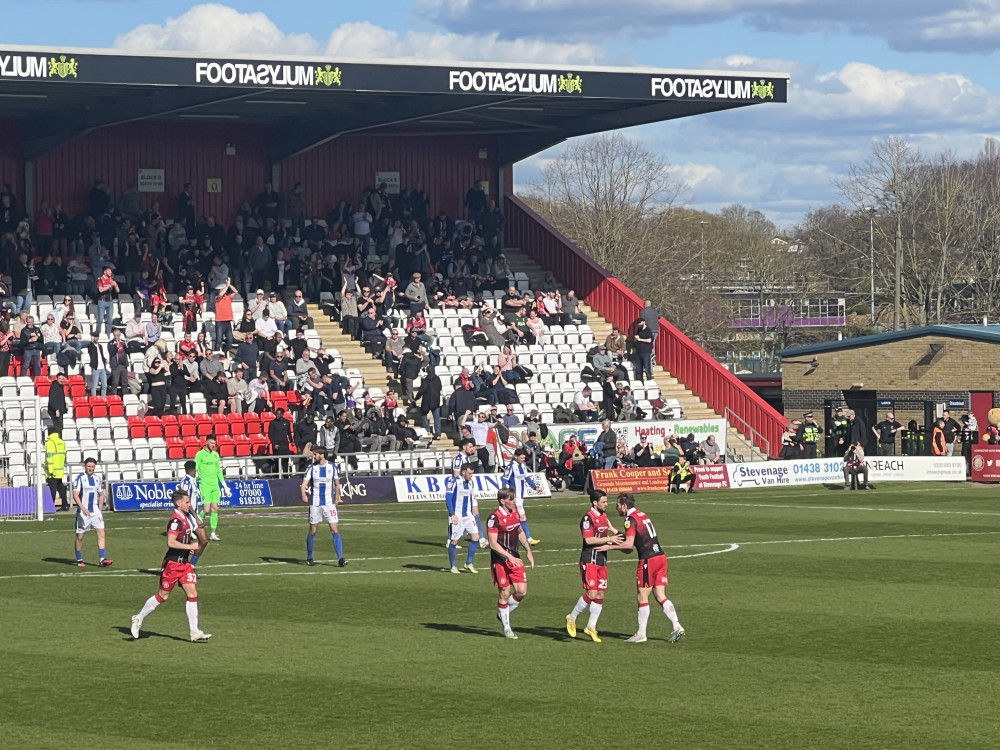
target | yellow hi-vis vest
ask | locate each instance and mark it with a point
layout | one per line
(55, 457)
(810, 434)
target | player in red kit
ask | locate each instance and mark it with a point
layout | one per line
(503, 529)
(182, 528)
(651, 575)
(597, 533)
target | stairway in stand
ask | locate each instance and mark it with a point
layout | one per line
(356, 358)
(694, 408)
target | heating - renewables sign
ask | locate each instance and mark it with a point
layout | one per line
(132, 496)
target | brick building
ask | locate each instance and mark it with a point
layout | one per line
(941, 364)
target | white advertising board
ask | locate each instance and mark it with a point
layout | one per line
(831, 471)
(425, 488)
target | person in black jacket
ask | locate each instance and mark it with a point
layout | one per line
(857, 432)
(118, 361)
(606, 445)
(217, 393)
(406, 436)
(430, 401)
(279, 432)
(608, 398)
(177, 385)
(57, 402)
(98, 365)
(305, 437)
(409, 370)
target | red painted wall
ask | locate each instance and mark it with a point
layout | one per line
(187, 152)
(343, 167)
(11, 163)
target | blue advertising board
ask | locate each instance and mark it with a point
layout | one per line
(132, 496)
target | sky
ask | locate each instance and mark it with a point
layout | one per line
(925, 70)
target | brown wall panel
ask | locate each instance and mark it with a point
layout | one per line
(187, 152)
(11, 163)
(342, 168)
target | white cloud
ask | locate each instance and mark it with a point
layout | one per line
(961, 26)
(368, 40)
(220, 29)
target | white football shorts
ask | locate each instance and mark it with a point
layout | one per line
(465, 525)
(323, 514)
(85, 523)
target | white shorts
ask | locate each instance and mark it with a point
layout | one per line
(465, 525)
(85, 523)
(323, 513)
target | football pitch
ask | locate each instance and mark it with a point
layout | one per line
(815, 618)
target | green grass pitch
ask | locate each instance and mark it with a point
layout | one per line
(841, 620)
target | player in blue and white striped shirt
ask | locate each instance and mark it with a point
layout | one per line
(466, 455)
(88, 494)
(517, 477)
(463, 516)
(189, 484)
(321, 491)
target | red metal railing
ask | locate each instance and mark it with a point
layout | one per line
(685, 360)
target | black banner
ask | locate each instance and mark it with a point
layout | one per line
(67, 68)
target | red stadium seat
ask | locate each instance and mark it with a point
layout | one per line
(191, 447)
(260, 446)
(227, 447)
(136, 427)
(203, 425)
(77, 386)
(154, 427)
(171, 427)
(175, 448)
(116, 408)
(236, 425)
(42, 383)
(279, 401)
(243, 445)
(253, 423)
(220, 425)
(81, 408)
(99, 407)
(294, 399)
(188, 428)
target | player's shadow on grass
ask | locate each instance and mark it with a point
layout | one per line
(425, 543)
(555, 634)
(59, 560)
(147, 634)
(289, 560)
(439, 568)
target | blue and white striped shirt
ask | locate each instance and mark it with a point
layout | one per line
(322, 479)
(458, 462)
(460, 498)
(517, 476)
(189, 484)
(90, 488)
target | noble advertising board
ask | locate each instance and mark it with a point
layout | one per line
(133, 496)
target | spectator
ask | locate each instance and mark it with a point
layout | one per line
(224, 318)
(606, 444)
(176, 384)
(584, 407)
(217, 393)
(348, 436)
(604, 365)
(535, 450)
(629, 408)
(6, 345)
(393, 352)
(118, 361)
(479, 430)
(510, 418)
(608, 397)
(643, 351)
(571, 309)
(217, 282)
(328, 436)
(278, 313)
(475, 203)
(279, 433)
(135, 334)
(416, 294)
(349, 313)
(507, 362)
(295, 209)
(269, 203)
(551, 311)
(210, 366)
(298, 312)
(186, 206)
(651, 317)
(409, 370)
(51, 335)
(107, 293)
(57, 402)
(260, 260)
(361, 225)
(267, 331)
(711, 453)
(643, 453)
(156, 376)
(278, 373)
(951, 429)
(98, 365)
(511, 304)
(154, 331)
(371, 332)
(573, 463)
(406, 436)
(31, 350)
(857, 432)
(672, 452)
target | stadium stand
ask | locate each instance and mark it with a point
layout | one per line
(133, 435)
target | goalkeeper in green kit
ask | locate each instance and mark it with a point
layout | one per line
(211, 482)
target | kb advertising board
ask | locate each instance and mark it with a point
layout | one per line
(432, 487)
(133, 496)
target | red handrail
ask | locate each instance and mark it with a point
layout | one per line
(684, 359)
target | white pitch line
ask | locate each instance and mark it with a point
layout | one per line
(849, 507)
